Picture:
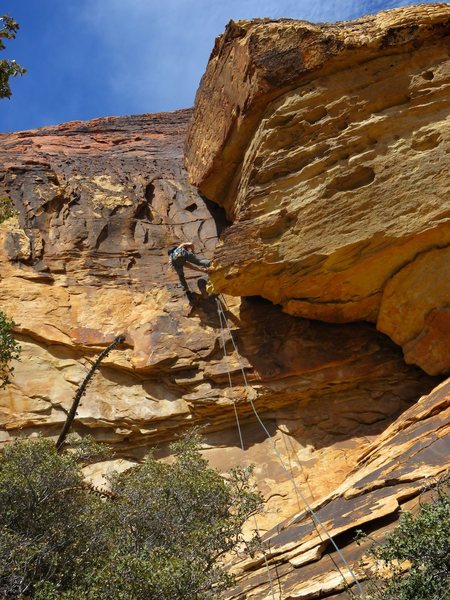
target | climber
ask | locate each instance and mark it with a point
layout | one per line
(183, 255)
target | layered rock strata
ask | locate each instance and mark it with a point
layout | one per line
(329, 147)
(85, 259)
(408, 458)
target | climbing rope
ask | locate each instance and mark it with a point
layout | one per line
(241, 440)
(289, 472)
(318, 524)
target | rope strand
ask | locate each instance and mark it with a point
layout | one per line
(266, 562)
(309, 508)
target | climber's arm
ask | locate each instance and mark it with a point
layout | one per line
(188, 246)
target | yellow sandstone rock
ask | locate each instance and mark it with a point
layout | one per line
(329, 147)
(95, 271)
(357, 237)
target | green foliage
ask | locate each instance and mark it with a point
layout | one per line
(8, 68)
(6, 208)
(9, 349)
(414, 562)
(47, 521)
(86, 450)
(184, 515)
(160, 536)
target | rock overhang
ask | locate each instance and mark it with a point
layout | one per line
(86, 259)
(328, 146)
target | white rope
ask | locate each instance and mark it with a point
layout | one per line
(241, 439)
(315, 518)
(230, 382)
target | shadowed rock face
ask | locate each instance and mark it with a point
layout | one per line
(329, 145)
(85, 259)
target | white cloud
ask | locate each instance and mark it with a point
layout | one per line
(158, 49)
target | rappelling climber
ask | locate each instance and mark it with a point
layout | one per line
(183, 255)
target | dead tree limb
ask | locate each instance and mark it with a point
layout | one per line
(82, 390)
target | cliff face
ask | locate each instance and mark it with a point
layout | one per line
(85, 259)
(388, 475)
(328, 145)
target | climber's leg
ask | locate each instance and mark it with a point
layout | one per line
(180, 272)
(200, 262)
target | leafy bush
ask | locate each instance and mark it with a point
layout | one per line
(414, 562)
(161, 534)
(9, 349)
(47, 521)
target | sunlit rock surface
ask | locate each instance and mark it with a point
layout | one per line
(85, 259)
(388, 476)
(329, 147)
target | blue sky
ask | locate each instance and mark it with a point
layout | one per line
(92, 58)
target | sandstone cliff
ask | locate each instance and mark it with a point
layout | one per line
(328, 145)
(85, 259)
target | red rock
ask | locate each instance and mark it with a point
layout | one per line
(99, 202)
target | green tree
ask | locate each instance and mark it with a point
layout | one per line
(9, 349)
(414, 562)
(8, 68)
(159, 534)
(175, 521)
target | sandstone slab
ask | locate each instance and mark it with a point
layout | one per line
(406, 459)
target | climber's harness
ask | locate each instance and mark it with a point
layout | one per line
(177, 254)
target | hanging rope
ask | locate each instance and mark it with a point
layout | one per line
(319, 533)
(299, 494)
(241, 439)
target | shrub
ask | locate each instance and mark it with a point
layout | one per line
(414, 562)
(161, 535)
(47, 520)
(9, 349)
(6, 208)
